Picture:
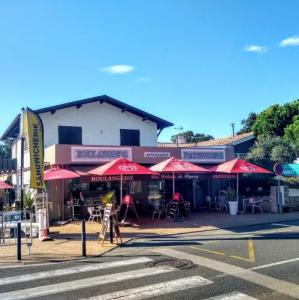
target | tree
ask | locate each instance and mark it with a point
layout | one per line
(5, 150)
(192, 137)
(291, 132)
(274, 120)
(268, 150)
(247, 124)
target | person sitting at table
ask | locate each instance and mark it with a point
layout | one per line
(178, 197)
(127, 199)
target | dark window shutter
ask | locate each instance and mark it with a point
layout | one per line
(70, 135)
(129, 137)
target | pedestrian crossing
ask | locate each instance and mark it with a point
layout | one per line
(98, 276)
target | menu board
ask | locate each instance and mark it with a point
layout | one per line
(109, 212)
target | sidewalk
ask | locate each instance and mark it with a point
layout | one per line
(67, 239)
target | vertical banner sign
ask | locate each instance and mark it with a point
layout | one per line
(33, 131)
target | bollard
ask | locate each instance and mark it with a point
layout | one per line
(19, 242)
(83, 232)
(111, 230)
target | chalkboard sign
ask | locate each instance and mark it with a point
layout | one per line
(109, 216)
(173, 211)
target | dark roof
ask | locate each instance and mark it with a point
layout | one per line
(106, 99)
(14, 128)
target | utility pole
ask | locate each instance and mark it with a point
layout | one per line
(233, 129)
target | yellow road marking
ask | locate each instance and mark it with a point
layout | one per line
(250, 258)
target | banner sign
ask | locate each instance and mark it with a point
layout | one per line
(290, 170)
(203, 155)
(110, 178)
(156, 154)
(33, 132)
(99, 154)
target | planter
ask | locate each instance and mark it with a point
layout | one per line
(233, 207)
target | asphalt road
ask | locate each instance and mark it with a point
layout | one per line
(252, 262)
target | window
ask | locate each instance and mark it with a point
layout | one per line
(70, 135)
(129, 137)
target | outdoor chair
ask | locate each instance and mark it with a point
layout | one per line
(212, 203)
(94, 214)
(222, 203)
(187, 207)
(256, 204)
(159, 208)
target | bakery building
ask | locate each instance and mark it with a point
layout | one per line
(81, 135)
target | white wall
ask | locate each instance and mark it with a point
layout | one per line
(101, 124)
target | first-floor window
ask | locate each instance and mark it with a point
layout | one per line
(70, 135)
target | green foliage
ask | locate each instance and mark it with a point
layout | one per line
(291, 182)
(247, 124)
(28, 200)
(268, 150)
(192, 137)
(292, 132)
(275, 119)
(5, 150)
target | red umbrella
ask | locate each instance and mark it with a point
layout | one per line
(239, 166)
(57, 173)
(121, 166)
(174, 165)
(4, 185)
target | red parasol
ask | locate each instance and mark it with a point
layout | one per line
(4, 185)
(59, 173)
(239, 166)
(174, 165)
(121, 166)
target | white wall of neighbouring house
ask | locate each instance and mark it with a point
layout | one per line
(101, 124)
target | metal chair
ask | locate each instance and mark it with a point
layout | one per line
(256, 204)
(158, 208)
(94, 214)
(187, 207)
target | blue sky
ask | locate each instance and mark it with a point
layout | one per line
(199, 64)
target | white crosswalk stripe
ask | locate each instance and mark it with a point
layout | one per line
(82, 283)
(155, 290)
(73, 270)
(232, 296)
(97, 282)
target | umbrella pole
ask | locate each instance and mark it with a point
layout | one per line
(238, 187)
(121, 189)
(173, 184)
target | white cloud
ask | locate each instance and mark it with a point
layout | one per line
(256, 49)
(290, 41)
(144, 79)
(118, 69)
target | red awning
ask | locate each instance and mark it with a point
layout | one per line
(59, 173)
(4, 185)
(175, 165)
(121, 166)
(240, 166)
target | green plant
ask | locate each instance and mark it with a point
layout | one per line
(28, 201)
(231, 194)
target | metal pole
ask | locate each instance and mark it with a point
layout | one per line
(83, 231)
(173, 183)
(279, 198)
(22, 175)
(19, 242)
(111, 229)
(238, 188)
(121, 189)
